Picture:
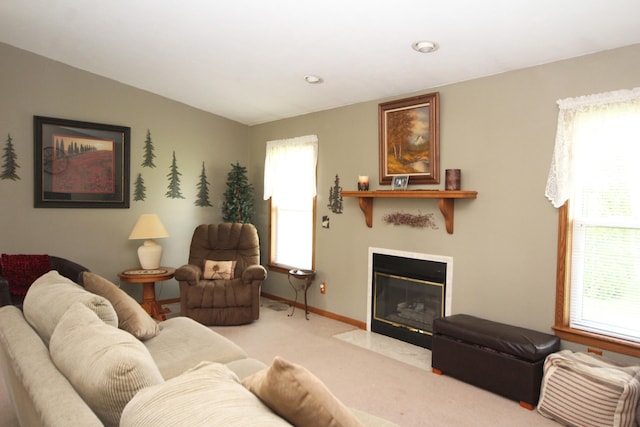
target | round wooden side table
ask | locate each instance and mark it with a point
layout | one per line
(148, 278)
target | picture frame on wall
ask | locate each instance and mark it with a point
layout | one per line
(409, 137)
(80, 164)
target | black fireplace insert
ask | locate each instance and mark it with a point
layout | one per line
(407, 295)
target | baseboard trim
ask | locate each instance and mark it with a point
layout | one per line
(324, 313)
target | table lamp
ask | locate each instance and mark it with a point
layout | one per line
(149, 227)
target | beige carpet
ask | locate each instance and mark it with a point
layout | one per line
(362, 378)
(377, 383)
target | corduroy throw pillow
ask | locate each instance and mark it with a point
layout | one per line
(107, 366)
(206, 395)
(22, 270)
(52, 294)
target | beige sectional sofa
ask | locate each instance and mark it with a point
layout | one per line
(90, 356)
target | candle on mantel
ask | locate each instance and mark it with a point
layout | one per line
(452, 179)
(363, 183)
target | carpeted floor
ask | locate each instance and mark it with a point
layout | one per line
(365, 374)
(370, 380)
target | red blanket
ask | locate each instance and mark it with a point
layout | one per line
(22, 270)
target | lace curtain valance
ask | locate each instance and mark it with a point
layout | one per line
(574, 112)
(290, 167)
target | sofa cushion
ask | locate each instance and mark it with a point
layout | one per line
(40, 393)
(183, 343)
(585, 389)
(299, 396)
(245, 367)
(207, 395)
(106, 366)
(52, 294)
(22, 270)
(131, 316)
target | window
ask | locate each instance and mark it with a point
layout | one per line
(290, 184)
(595, 179)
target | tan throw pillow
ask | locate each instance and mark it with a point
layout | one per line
(207, 395)
(299, 396)
(105, 365)
(52, 294)
(218, 269)
(131, 316)
(570, 378)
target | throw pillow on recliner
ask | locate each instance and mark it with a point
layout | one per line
(218, 269)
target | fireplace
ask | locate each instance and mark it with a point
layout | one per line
(407, 291)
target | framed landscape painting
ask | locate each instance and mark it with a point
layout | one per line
(409, 139)
(80, 164)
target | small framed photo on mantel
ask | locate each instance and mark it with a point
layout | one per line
(400, 182)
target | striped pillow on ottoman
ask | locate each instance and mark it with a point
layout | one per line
(583, 389)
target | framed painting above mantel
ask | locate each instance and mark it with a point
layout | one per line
(80, 164)
(410, 139)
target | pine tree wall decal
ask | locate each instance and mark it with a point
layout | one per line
(203, 190)
(148, 152)
(238, 197)
(173, 191)
(10, 165)
(139, 192)
(335, 197)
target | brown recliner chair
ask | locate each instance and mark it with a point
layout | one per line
(222, 300)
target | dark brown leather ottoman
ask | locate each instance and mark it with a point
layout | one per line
(501, 358)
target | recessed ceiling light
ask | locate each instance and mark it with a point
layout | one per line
(311, 79)
(425, 46)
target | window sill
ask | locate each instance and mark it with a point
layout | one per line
(603, 342)
(279, 268)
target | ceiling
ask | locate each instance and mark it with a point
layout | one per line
(246, 59)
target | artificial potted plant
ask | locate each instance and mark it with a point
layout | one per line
(238, 197)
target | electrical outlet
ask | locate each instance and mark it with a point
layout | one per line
(323, 287)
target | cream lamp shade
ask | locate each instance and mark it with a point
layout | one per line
(149, 227)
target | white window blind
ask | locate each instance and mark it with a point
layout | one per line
(601, 178)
